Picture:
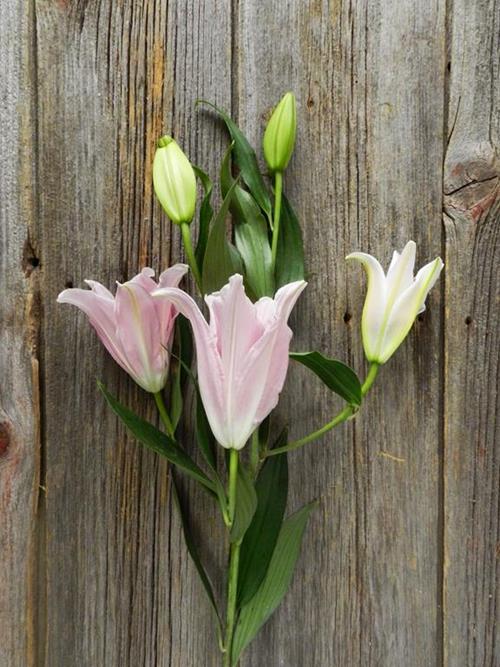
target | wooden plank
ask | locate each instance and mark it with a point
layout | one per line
(366, 175)
(111, 583)
(19, 323)
(112, 78)
(471, 595)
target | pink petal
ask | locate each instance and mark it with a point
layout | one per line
(173, 275)
(166, 310)
(286, 298)
(138, 329)
(234, 322)
(145, 280)
(210, 373)
(99, 289)
(257, 389)
(100, 311)
(261, 372)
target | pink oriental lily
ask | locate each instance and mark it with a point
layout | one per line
(242, 355)
(135, 328)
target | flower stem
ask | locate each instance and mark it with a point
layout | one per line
(233, 477)
(232, 589)
(342, 416)
(370, 378)
(234, 559)
(278, 191)
(191, 259)
(167, 422)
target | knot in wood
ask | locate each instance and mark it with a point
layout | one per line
(471, 180)
(4, 437)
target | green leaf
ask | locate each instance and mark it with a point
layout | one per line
(290, 253)
(179, 363)
(207, 445)
(176, 400)
(264, 434)
(221, 257)
(337, 376)
(260, 539)
(205, 215)
(193, 552)
(246, 504)
(154, 439)
(251, 236)
(204, 435)
(246, 160)
(275, 584)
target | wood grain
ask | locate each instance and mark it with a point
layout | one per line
(19, 324)
(113, 77)
(471, 594)
(366, 175)
(400, 564)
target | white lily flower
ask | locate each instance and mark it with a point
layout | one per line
(393, 301)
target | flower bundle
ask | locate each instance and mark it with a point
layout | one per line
(250, 281)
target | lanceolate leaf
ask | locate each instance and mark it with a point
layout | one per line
(290, 255)
(206, 214)
(247, 162)
(193, 552)
(275, 584)
(206, 443)
(260, 539)
(246, 504)
(251, 235)
(221, 257)
(154, 439)
(204, 436)
(179, 364)
(337, 376)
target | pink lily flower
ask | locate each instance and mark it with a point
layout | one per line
(135, 328)
(242, 355)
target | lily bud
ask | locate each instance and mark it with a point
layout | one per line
(279, 137)
(393, 301)
(174, 181)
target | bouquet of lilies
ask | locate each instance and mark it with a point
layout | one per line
(250, 280)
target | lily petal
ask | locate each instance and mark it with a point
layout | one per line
(173, 275)
(400, 273)
(137, 330)
(166, 311)
(210, 373)
(286, 298)
(375, 303)
(101, 317)
(234, 323)
(407, 307)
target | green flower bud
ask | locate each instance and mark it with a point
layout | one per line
(174, 181)
(279, 137)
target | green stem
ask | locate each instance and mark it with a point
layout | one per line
(342, 416)
(167, 422)
(232, 589)
(191, 259)
(234, 559)
(233, 478)
(370, 378)
(278, 190)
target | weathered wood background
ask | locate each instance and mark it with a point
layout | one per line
(399, 127)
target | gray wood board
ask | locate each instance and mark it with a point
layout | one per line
(471, 593)
(400, 563)
(19, 352)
